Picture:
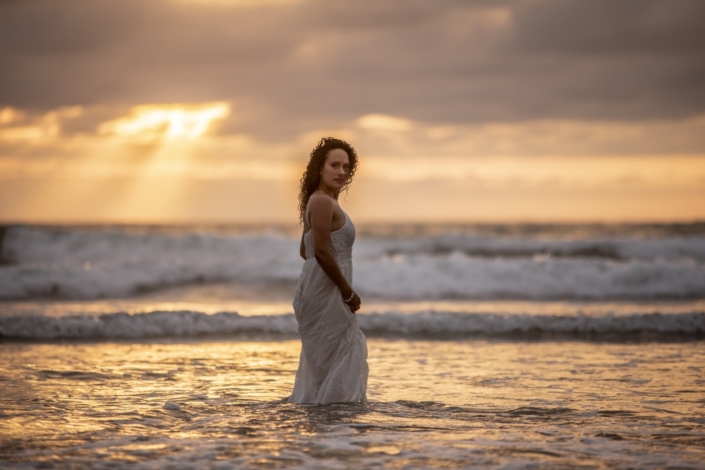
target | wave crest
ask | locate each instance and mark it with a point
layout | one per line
(75, 264)
(430, 324)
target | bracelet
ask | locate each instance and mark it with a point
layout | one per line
(352, 294)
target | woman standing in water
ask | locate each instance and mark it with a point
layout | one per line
(333, 362)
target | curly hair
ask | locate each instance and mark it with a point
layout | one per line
(312, 175)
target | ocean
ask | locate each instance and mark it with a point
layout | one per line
(508, 345)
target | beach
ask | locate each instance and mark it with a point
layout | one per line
(509, 347)
(524, 183)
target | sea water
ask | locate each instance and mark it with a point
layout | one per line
(507, 346)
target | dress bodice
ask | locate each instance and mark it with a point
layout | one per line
(341, 241)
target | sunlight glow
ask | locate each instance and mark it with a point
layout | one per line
(383, 122)
(241, 3)
(674, 171)
(7, 115)
(167, 162)
(172, 121)
(18, 126)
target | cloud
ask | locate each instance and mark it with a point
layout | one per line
(608, 28)
(297, 66)
(449, 103)
(175, 140)
(384, 123)
(172, 121)
(16, 126)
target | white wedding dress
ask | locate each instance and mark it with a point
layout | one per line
(333, 362)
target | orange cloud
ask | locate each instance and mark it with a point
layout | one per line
(167, 121)
(16, 126)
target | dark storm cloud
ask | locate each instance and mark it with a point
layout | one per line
(608, 27)
(293, 67)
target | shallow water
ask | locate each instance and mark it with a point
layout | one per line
(508, 346)
(433, 404)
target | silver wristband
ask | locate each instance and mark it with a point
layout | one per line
(352, 294)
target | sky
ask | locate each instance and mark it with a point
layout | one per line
(197, 111)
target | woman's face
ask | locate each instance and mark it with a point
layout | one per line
(334, 173)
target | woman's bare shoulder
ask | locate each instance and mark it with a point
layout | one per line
(320, 201)
(321, 209)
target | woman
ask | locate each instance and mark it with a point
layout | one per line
(333, 362)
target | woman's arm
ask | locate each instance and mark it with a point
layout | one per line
(322, 210)
(302, 248)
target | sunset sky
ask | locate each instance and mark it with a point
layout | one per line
(182, 111)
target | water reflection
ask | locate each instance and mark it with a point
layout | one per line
(433, 404)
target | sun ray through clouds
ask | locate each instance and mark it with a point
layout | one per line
(171, 133)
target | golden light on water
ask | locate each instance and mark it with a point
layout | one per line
(133, 381)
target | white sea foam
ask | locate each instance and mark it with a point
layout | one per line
(425, 324)
(145, 325)
(97, 264)
(87, 264)
(624, 248)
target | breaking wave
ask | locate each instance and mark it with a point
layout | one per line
(71, 263)
(431, 324)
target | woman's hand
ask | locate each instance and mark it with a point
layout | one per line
(355, 302)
